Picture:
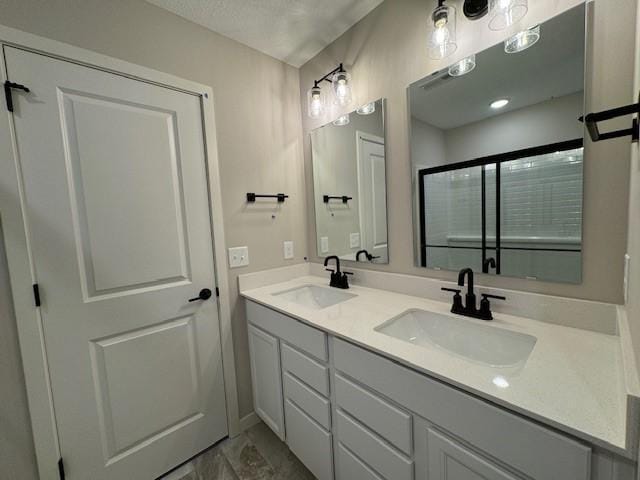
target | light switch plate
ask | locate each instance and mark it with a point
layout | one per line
(288, 250)
(238, 257)
(324, 244)
(354, 240)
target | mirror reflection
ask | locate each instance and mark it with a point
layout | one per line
(497, 157)
(349, 177)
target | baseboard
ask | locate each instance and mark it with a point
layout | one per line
(249, 421)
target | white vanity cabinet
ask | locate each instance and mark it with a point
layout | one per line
(266, 379)
(294, 362)
(349, 413)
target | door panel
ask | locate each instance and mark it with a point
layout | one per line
(124, 170)
(266, 378)
(449, 460)
(373, 196)
(118, 214)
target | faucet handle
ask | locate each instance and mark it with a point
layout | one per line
(348, 273)
(495, 297)
(454, 290)
(330, 270)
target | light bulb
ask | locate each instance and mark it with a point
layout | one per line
(522, 40)
(367, 109)
(315, 98)
(442, 38)
(464, 66)
(342, 120)
(342, 88)
(505, 13)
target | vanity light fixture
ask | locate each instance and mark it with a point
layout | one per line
(442, 34)
(342, 120)
(464, 66)
(340, 80)
(522, 40)
(505, 13)
(367, 109)
(501, 103)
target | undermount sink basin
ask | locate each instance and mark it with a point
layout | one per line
(313, 296)
(471, 339)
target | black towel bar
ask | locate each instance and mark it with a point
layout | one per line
(344, 198)
(251, 197)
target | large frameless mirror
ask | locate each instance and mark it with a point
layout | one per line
(349, 180)
(497, 157)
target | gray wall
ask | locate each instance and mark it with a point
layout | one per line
(259, 143)
(386, 52)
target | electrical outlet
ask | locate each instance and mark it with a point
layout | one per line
(354, 240)
(324, 244)
(288, 250)
(238, 257)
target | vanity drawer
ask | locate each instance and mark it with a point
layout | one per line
(309, 442)
(314, 405)
(349, 467)
(306, 369)
(388, 421)
(382, 458)
(503, 435)
(288, 329)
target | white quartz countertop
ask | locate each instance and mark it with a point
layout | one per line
(573, 380)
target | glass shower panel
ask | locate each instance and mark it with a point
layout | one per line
(452, 219)
(541, 216)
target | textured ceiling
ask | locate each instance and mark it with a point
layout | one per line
(293, 31)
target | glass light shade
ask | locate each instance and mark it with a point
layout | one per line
(522, 40)
(341, 82)
(464, 66)
(367, 109)
(342, 120)
(442, 32)
(315, 102)
(504, 13)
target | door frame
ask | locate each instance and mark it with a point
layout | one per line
(369, 137)
(22, 272)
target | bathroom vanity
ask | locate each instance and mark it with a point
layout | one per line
(372, 384)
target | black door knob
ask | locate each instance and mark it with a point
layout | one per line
(205, 294)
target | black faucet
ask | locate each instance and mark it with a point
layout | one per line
(488, 263)
(469, 307)
(338, 278)
(367, 255)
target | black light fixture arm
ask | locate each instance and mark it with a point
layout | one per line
(327, 77)
(591, 121)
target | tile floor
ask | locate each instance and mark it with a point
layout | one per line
(257, 454)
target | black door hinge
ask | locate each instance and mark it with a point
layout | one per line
(217, 292)
(8, 86)
(61, 469)
(36, 294)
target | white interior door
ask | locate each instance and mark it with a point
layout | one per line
(372, 196)
(117, 209)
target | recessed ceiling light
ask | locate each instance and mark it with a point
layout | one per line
(500, 103)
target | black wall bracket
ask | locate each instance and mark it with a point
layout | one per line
(591, 121)
(8, 86)
(251, 197)
(344, 198)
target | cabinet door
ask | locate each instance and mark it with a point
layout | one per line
(266, 379)
(449, 460)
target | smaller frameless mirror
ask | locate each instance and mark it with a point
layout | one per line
(349, 182)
